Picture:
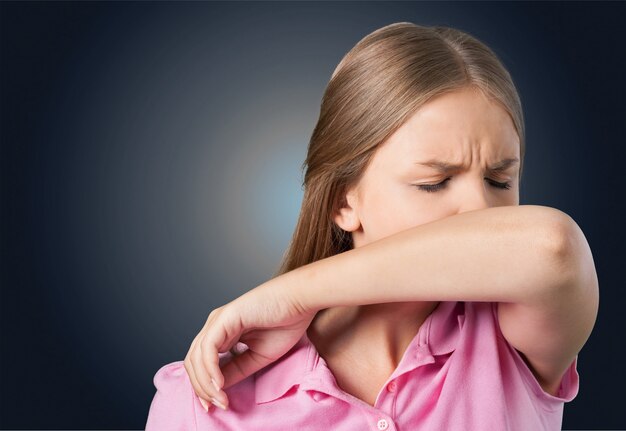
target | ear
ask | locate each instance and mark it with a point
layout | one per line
(346, 216)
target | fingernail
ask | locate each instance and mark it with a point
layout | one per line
(217, 403)
(204, 404)
(217, 388)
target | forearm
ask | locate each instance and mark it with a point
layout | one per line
(501, 254)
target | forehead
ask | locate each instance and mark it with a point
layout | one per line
(454, 124)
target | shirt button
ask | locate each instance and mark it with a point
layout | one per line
(392, 386)
(382, 424)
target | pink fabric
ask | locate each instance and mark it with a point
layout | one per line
(458, 373)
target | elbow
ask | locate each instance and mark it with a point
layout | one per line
(569, 254)
(561, 235)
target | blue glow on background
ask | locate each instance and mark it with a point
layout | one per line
(151, 156)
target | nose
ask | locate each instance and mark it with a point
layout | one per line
(474, 196)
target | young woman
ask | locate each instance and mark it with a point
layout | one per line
(416, 294)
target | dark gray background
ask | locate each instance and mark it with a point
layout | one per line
(151, 158)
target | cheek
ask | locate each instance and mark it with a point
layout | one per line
(396, 210)
(418, 207)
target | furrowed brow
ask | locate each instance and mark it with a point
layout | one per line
(446, 167)
(503, 165)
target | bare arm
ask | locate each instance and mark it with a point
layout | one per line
(501, 254)
(533, 260)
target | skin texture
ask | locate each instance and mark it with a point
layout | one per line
(462, 127)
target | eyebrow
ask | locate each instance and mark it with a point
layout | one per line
(446, 167)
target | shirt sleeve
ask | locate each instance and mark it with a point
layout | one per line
(174, 405)
(568, 388)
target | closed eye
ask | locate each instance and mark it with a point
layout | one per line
(439, 186)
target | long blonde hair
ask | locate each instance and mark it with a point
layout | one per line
(375, 88)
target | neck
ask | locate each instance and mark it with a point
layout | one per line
(374, 333)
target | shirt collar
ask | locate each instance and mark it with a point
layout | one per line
(440, 332)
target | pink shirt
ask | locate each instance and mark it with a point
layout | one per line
(458, 373)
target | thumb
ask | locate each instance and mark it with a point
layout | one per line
(242, 366)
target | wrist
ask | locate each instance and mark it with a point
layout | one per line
(297, 286)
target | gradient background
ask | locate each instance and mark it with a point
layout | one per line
(151, 171)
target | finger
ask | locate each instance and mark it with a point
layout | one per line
(210, 373)
(242, 366)
(213, 343)
(189, 367)
(192, 373)
(195, 367)
(238, 348)
(207, 406)
(203, 378)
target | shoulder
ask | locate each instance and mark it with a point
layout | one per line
(568, 385)
(487, 357)
(176, 405)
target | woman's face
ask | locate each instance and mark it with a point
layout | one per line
(461, 128)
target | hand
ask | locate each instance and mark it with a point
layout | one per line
(267, 319)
